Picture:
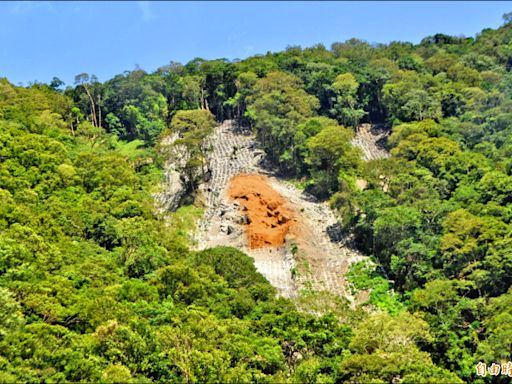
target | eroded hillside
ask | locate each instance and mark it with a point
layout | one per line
(295, 240)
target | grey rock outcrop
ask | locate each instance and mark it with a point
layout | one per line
(173, 188)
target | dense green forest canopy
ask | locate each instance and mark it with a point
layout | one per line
(95, 287)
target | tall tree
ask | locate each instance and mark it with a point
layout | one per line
(87, 83)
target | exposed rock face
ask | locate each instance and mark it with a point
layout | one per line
(296, 242)
(173, 187)
(169, 200)
(234, 151)
(311, 252)
(371, 140)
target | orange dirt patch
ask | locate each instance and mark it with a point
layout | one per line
(268, 220)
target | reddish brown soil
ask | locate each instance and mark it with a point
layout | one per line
(268, 220)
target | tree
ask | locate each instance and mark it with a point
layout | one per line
(306, 130)
(466, 239)
(393, 225)
(344, 102)
(194, 92)
(192, 129)
(277, 105)
(88, 83)
(329, 153)
(507, 18)
(497, 345)
(384, 349)
(406, 98)
(244, 88)
(420, 106)
(56, 83)
(357, 51)
(454, 323)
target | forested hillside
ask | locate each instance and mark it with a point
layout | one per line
(96, 287)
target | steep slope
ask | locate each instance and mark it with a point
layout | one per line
(370, 139)
(310, 255)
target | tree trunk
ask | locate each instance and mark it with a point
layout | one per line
(202, 99)
(99, 110)
(93, 108)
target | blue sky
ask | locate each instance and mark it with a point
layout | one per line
(39, 40)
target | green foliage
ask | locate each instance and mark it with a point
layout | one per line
(385, 346)
(345, 87)
(330, 154)
(277, 105)
(191, 129)
(94, 287)
(364, 276)
(184, 223)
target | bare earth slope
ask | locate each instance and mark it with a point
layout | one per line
(267, 217)
(313, 255)
(370, 139)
